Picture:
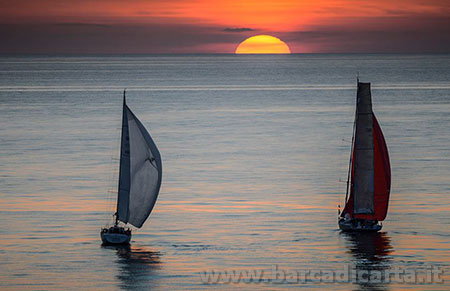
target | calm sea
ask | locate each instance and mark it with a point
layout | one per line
(255, 155)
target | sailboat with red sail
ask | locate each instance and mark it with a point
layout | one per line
(369, 176)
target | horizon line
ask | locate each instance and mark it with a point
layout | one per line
(227, 54)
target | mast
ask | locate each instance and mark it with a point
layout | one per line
(350, 162)
(351, 152)
(116, 215)
(353, 145)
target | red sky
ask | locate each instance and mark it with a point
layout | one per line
(217, 26)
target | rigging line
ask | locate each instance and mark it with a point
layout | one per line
(351, 152)
(114, 175)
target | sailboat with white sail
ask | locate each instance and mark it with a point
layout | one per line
(369, 175)
(140, 174)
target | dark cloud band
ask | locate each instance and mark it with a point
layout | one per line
(237, 29)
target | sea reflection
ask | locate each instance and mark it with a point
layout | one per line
(138, 266)
(371, 251)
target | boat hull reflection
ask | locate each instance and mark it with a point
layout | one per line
(371, 251)
(137, 266)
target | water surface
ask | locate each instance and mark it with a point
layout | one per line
(255, 153)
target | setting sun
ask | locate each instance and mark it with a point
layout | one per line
(263, 44)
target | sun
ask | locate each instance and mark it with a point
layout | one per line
(263, 44)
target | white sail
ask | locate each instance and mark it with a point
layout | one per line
(140, 172)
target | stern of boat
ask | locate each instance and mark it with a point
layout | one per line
(358, 226)
(115, 236)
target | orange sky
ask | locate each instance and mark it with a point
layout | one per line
(219, 25)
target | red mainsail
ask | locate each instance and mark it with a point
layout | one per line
(381, 178)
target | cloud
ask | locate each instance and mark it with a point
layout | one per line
(418, 34)
(138, 26)
(81, 24)
(83, 38)
(237, 29)
(395, 32)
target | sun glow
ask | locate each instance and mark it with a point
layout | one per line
(263, 44)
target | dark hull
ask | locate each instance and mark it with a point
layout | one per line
(358, 226)
(115, 236)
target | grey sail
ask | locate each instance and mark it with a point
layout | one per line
(124, 170)
(140, 172)
(363, 179)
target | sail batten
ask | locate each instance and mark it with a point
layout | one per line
(140, 171)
